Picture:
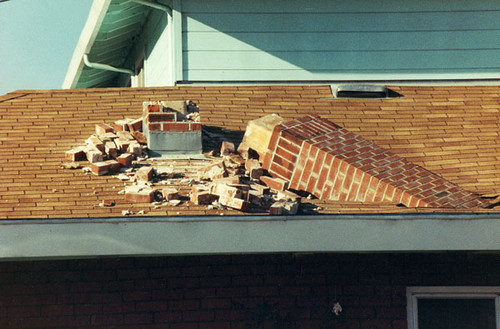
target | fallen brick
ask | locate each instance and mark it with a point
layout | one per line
(122, 145)
(141, 194)
(140, 138)
(100, 168)
(227, 190)
(236, 159)
(254, 168)
(102, 128)
(238, 204)
(76, 154)
(125, 159)
(277, 184)
(170, 193)
(114, 165)
(227, 148)
(135, 125)
(144, 174)
(95, 142)
(93, 155)
(111, 149)
(125, 135)
(201, 195)
(135, 149)
(121, 125)
(261, 189)
(107, 137)
(212, 171)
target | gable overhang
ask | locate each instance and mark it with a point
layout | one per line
(204, 235)
(107, 39)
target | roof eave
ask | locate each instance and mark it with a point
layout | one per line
(199, 235)
(86, 41)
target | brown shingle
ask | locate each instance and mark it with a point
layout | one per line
(452, 131)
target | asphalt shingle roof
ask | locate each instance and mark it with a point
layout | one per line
(452, 131)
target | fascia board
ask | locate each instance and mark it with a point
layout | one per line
(158, 236)
(85, 42)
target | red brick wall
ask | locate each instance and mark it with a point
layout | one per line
(227, 292)
(324, 159)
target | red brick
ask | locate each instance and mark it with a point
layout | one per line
(135, 125)
(152, 108)
(144, 174)
(176, 126)
(76, 154)
(201, 195)
(155, 127)
(161, 117)
(254, 168)
(234, 203)
(275, 183)
(195, 126)
(102, 128)
(101, 168)
(125, 159)
(95, 142)
(170, 194)
(139, 194)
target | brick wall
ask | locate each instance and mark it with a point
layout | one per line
(229, 292)
(332, 163)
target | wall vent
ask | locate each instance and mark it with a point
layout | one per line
(359, 91)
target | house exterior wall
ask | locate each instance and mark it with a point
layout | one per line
(236, 40)
(157, 50)
(230, 291)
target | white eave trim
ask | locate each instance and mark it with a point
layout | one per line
(147, 236)
(86, 41)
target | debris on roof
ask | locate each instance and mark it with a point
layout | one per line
(308, 154)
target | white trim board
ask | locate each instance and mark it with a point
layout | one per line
(247, 234)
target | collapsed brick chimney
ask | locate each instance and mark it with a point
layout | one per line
(328, 161)
(170, 130)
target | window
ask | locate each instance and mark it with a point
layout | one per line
(453, 307)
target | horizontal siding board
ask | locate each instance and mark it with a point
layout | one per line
(298, 75)
(335, 22)
(300, 6)
(391, 60)
(210, 41)
(328, 40)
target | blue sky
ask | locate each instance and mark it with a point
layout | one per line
(37, 39)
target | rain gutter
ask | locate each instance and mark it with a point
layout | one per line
(155, 5)
(198, 235)
(105, 67)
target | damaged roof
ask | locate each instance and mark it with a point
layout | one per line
(453, 131)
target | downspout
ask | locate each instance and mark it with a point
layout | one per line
(105, 67)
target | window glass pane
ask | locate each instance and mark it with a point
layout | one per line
(456, 313)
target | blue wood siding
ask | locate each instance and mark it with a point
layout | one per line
(228, 40)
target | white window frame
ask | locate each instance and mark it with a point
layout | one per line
(414, 293)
